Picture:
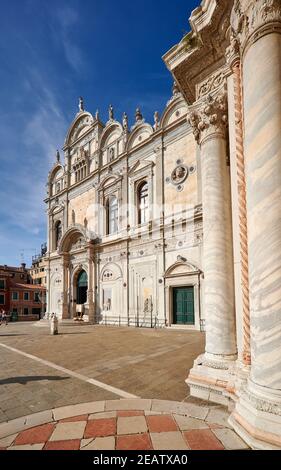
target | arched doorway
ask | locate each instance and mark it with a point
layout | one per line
(82, 288)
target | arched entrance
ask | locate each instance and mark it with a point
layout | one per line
(82, 288)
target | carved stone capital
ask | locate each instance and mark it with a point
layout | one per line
(232, 52)
(208, 117)
(251, 19)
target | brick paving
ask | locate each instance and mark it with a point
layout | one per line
(124, 430)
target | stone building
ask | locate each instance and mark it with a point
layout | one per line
(125, 221)
(217, 151)
(37, 271)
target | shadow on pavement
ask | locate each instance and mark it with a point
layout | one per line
(25, 379)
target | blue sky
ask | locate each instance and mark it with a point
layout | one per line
(53, 51)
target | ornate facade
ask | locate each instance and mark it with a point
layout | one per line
(128, 208)
(125, 221)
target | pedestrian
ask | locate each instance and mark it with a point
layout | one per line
(1, 313)
(4, 317)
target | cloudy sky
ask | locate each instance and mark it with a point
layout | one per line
(51, 52)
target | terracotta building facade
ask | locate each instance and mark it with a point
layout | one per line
(179, 223)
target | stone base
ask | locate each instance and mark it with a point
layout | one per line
(212, 380)
(257, 417)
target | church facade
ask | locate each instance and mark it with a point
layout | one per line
(180, 223)
(125, 221)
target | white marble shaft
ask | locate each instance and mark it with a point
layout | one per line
(217, 256)
(209, 121)
(262, 111)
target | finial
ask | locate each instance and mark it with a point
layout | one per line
(58, 156)
(97, 115)
(139, 116)
(81, 104)
(125, 121)
(111, 113)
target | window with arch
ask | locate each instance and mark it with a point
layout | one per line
(143, 203)
(58, 233)
(112, 215)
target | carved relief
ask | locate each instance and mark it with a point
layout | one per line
(249, 16)
(212, 83)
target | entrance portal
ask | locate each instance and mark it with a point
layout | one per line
(82, 288)
(183, 306)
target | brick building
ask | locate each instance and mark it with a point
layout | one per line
(18, 296)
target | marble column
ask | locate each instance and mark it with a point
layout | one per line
(91, 285)
(257, 416)
(209, 377)
(65, 305)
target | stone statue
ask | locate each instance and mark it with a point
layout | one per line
(58, 156)
(156, 120)
(176, 89)
(81, 104)
(97, 115)
(125, 122)
(111, 113)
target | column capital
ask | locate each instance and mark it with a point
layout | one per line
(209, 117)
(251, 19)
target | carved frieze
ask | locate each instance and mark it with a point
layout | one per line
(251, 17)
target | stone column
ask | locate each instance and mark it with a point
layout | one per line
(91, 284)
(65, 305)
(208, 379)
(257, 24)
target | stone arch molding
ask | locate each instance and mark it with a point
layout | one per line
(111, 268)
(81, 124)
(76, 270)
(182, 268)
(71, 235)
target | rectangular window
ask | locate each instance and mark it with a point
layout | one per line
(15, 296)
(36, 311)
(2, 283)
(26, 296)
(2, 299)
(15, 310)
(25, 311)
(36, 297)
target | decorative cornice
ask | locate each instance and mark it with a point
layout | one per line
(208, 117)
(251, 19)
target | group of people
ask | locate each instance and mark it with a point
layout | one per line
(3, 317)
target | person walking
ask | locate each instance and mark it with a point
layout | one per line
(1, 313)
(4, 317)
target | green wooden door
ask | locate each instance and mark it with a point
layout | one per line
(183, 305)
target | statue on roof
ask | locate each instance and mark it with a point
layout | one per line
(58, 156)
(111, 113)
(125, 121)
(156, 120)
(81, 104)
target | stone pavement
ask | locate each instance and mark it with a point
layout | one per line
(142, 362)
(133, 424)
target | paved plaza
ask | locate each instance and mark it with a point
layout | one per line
(99, 387)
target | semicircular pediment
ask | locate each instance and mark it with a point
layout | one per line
(79, 127)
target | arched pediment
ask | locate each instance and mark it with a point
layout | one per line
(182, 268)
(109, 180)
(111, 272)
(81, 124)
(110, 134)
(56, 172)
(174, 111)
(139, 135)
(72, 235)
